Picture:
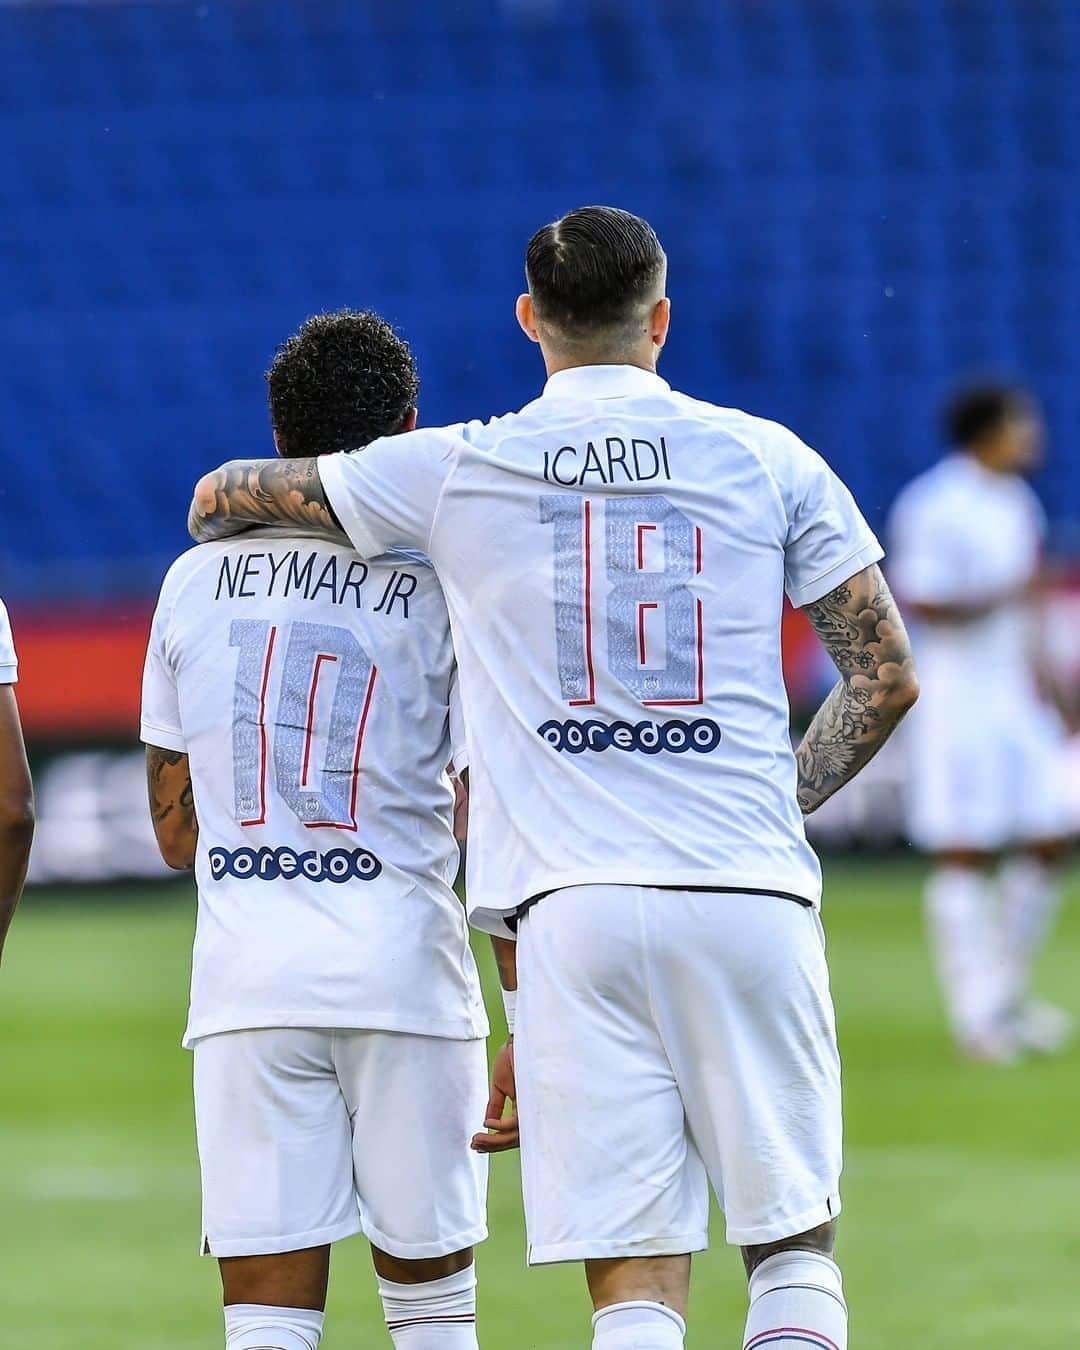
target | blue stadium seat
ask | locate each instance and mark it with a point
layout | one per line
(861, 201)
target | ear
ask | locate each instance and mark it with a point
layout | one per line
(409, 424)
(660, 322)
(526, 317)
(279, 444)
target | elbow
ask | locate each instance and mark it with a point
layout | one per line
(905, 693)
(180, 860)
(177, 851)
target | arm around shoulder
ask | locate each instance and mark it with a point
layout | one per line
(249, 492)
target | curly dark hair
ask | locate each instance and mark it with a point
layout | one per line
(343, 380)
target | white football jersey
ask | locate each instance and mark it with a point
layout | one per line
(310, 691)
(962, 534)
(9, 666)
(614, 557)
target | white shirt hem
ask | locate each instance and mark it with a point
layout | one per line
(491, 917)
(326, 1019)
(150, 734)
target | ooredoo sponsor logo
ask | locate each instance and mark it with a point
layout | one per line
(645, 738)
(269, 864)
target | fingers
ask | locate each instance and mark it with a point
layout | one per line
(500, 1117)
(488, 1144)
(503, 1135)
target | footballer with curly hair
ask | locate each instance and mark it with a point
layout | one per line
(343, 380)
(296, 713)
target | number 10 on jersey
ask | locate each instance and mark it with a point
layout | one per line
(321, 796)
(649, 553)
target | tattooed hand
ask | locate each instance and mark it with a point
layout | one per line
(864, 634)
(247, 492)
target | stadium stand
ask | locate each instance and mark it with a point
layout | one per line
(861, 200)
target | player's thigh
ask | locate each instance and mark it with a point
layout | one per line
(608, 1170)
(957, 789)
(415, 1102)
(274, 1142)
(742, 993)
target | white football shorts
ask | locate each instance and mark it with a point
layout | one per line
(308, 1136)
(665, 1039)
(993, 777)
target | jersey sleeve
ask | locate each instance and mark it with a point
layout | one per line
(9, 666)
(386, 495)
(828, 540)
(459, 754)
(160, 722)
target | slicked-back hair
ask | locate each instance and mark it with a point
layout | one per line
(343, 380)
(980, 410)
(593, 271)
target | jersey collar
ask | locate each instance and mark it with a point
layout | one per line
(594, 382)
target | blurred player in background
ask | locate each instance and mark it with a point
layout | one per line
(16, 790)
(986, 747)
(615, 557)
(296, 711)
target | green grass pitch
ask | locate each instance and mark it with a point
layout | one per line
(962, 1190)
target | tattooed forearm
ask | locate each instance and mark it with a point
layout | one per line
(247, 492)
(865, 636)
(172, 805)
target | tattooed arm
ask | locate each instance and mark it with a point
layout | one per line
(864, 634)
(172, 805)
(247, 492)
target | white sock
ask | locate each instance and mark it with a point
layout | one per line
(438, 1315)
(1030, 897)
(965, 934)
(796, 1303)
(638, 1326)
(259, 1325)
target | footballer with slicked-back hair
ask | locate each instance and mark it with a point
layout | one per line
(596, 273)
(344, 379)
(615, 556)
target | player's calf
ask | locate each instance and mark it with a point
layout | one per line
(275, 1302)
(429, 1304)
(640, 1302)
(796, 1294)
